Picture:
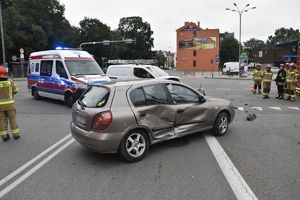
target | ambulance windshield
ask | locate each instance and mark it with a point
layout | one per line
(83, 67)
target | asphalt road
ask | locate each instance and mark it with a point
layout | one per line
(264, 151)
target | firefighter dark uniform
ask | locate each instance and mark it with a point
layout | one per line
(267, 80)
(257, 77)
(280, 81)
(7, 106)
(291, 81)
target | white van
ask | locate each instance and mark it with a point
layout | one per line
(230, 68)
(62, 74)
(132, 71)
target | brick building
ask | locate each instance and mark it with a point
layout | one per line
(197, 48)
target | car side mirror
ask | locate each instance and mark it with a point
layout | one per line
(201, 91)
(202, 99)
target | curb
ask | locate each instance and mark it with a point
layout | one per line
(229, 78)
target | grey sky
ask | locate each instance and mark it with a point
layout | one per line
(165, 16)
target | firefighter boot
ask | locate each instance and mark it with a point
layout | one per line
(5, 137)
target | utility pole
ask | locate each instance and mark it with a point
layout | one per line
(2, 37)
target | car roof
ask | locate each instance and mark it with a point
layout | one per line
(61, 54)
(137, 82)
(131, 66)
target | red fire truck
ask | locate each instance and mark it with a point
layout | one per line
(298, 66)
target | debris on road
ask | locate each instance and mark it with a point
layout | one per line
(251, 117)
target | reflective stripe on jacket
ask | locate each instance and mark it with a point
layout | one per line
(257, 75)
(267, 76)
(7, 90)
(292, 77)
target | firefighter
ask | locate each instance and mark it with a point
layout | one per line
(7, 106)
(267, 79)
(257, 77)
(280, 81)
(286, 68)
(291, 81)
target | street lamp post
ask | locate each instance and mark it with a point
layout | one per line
(240, 12)
(2, 37)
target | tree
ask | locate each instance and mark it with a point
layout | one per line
(282, 35)
(160, 57)
(91, 30)
(251, 46)
(134, 27)
(229, 50)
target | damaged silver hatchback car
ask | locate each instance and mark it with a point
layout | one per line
(127, 117)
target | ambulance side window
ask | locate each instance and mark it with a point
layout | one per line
(37, 67)
(60, 70)
(46, 68)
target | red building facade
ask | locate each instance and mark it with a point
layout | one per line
(197, 48)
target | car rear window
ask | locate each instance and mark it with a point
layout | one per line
(94, 97)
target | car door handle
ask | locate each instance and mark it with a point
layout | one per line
(141, 114)
(180, 110)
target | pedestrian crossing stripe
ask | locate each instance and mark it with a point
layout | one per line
(257, 108)
(294, 108)
(273, 108)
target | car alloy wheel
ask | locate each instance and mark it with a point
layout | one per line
(221, 124)
(134, 146)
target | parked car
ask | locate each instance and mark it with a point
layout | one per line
(274, 69)
(132, 71)
(127, 117)
(230, 68)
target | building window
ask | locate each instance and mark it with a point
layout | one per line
(194, 63)
(194, 53)
(194, 33)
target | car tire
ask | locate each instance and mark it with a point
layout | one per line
(35, 94)
(134, 146)
(220, 126)
(69, 100)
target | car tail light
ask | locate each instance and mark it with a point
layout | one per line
(102, 120)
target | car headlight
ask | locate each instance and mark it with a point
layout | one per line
(81, 85)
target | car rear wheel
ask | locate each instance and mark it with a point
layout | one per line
(134, 146)
(221, 125)
(35, 94)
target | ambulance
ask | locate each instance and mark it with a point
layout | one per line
(62, 74)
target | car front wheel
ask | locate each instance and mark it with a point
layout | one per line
(221, 124)
(134, 146)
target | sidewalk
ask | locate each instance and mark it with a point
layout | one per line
(215, 75)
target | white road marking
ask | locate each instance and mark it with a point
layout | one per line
(238, 185)
(257, 108)
(223, 88)
(241, 108)
(34, 169)
(22, 168)
(276, 108)
(243, 83)
(294, 108)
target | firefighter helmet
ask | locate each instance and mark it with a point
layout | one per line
(3, 72)
(268, 66)
(292, 65)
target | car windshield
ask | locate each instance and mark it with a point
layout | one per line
(157, 71)
(94, 97)
(83, 67)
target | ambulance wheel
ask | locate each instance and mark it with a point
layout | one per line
(35, 94)
(69, 100)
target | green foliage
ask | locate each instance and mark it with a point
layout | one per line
(160, 57)
(283, 35)
(251, 46)
(134, 27)
(229, 50)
